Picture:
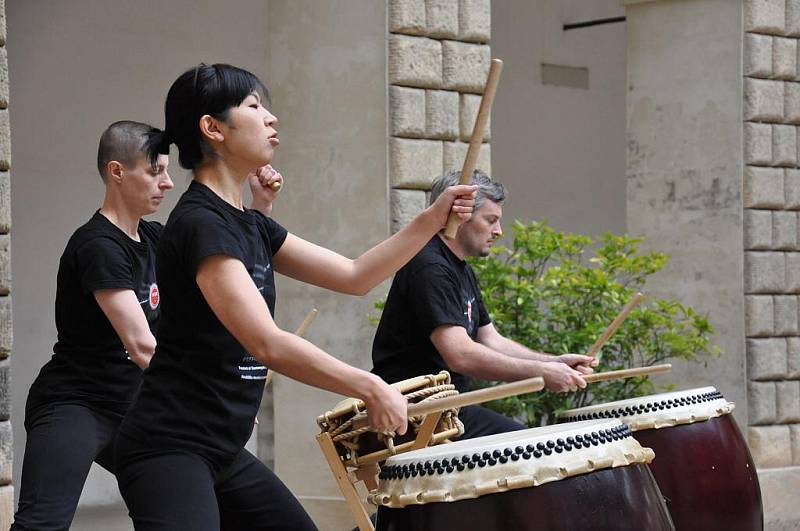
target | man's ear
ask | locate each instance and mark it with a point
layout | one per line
(115, 171)
(210, 128)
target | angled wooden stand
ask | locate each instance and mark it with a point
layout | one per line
(367, 469)
(368, 473)
(346, 482)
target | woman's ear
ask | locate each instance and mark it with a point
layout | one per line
(114, 171)
(210, 128)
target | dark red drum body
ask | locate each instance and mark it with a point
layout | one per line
(593, 478)
(702, 464)
(614, 499)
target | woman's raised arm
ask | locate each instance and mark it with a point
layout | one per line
(317, 265)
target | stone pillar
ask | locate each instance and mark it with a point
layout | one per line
(327, 74)
(713, 180)
(771, 201)
(363, 154)
(438, 61)
(6, 339)
(685, 168)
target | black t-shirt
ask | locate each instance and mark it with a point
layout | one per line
(435, 288)
(202, 390)
(89, 365)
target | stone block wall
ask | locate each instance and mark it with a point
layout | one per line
(771, 201)
(438, 62)
(6, 438)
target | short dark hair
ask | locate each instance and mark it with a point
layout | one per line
(203, 89)
(487, 188)
(123, 141)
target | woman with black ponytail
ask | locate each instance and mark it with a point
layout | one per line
(180, 453)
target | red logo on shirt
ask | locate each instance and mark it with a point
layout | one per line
(155, 298)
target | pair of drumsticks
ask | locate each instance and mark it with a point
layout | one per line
(530, 384)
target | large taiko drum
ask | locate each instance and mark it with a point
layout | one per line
(358, 446)
(702, 463)
(586, 475)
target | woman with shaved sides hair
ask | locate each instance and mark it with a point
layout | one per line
(107, 307)
(180, 453)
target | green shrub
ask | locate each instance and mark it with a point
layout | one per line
(546, 293)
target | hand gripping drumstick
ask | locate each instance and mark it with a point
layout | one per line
(477, 137)
(613, 326)
(301, 330)
(276, 186)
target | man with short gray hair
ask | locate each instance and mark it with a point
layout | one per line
(434, 318)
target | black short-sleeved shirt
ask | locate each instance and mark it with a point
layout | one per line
(202, 390)
(435, 288)
(89, 365)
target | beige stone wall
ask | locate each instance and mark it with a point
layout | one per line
(771, 201)
(438, 61)
(559, 146)
(327, 70)
(76, 67)
(684, 170)
(6, 337)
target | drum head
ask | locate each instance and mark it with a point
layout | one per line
(657, 411)
(526, 458)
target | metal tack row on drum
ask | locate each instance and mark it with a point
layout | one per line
(703, 466)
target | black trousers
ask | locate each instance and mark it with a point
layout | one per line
(480, 422)
(169, 490)
(63, 441)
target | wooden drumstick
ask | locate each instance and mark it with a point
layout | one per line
(519, 387)
(301, 330)
(613, 326)
(528, 385)
(627, 373)
(476, 140)
(470, 398)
